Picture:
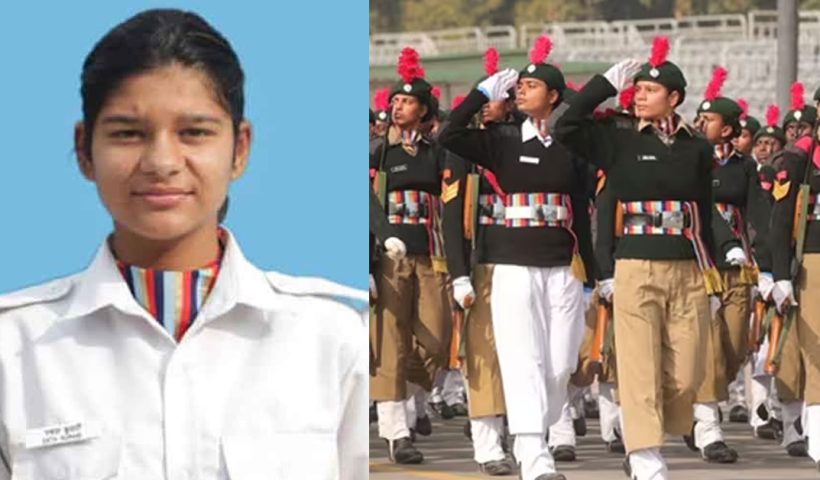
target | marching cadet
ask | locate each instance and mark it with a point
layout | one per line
(749, 126)
(411, 324)
(660, 173)
(381, 105)
(795, 241)
(167, 356)
(769, 140)
(740, 202)
(537, 226)
(800, 118)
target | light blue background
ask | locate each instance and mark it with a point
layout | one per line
(300, 207)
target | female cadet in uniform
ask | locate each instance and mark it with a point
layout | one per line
(801, 165)
(742, 205)
(536, 303)
(660, 172)
(411, 328)
(167, 357)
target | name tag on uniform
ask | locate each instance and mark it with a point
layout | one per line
(399, 168)
(715, 182)
(647, 158)
(532, 160)
(61, 434)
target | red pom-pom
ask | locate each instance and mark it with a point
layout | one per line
(436, 92)
(541, 49)
(409, 67)
(797, 92)
(573, 86)
(381, 99)
(457, 100)
(660, 49)
(719, 75)
(744, 108)
(491, 61)
(772, 115)
(626, 97)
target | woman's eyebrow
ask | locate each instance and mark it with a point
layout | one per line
(200, 118)
(119, 118)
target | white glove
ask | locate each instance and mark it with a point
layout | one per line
(373, 292)
(621, 74)
(587, 298)
(736, 257)
(765, 285)
(395, 248)
(783, 293)
(495, 87)
(606, 289)
(714, 304)
(463, 292)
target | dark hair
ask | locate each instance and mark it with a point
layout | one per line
(157, 38)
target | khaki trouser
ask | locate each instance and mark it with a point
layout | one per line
(481, 359)
(790, 377)
(726, 339)
(585, 374)
(808, 326)
(661, 314)
(411, 326)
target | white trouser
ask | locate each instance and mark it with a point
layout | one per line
(453, 388)
(791, 412)
(737, 389)
(416, 404)
(530, 449)
(759, 389)
(609, 412)
(538, 324)
(487, 433)
(811, 422)
(393, 420)
(648, 464)
(562, 432)
(707, 428)
(438, 386)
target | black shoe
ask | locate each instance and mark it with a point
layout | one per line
(423, 426)
(738, 414)
(413, 435)
(580, 427)
(563, 453)
(798, 425)
(496, 468)
(468, 430)
(443, 410)
(374, 414)
(460, 410)
(591, 409)
(719, 452)
(403, 452)
(689, 440)
(771, 430)
(616, 446)
(798, 449)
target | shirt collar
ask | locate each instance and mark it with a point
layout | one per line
(682, 125)
(530, 131)
(101, 285)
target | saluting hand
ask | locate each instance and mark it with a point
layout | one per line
(496, 86)
(621, 74)
(395, 248)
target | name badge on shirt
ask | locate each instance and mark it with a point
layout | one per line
(647, 158)
(399, 168)
(61, 434)
(715, 182)
(532, 160)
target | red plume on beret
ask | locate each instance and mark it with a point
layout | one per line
(381, 99)
(457, 100)
(626, 96)
(772, 114)
(744, 108)
(719, 75)
(541, 49)
(491, 61)
(409, 67)
(797, 91)
(660, 49)
(436, 92)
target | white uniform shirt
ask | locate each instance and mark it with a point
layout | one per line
(268, 383)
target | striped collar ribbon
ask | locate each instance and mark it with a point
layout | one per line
(172, 298)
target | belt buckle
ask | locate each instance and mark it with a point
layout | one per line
(396, 209)
(672, 220)
(412, 210)
(549, 212)
(499, 211)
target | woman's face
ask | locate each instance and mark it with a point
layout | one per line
(743, 142)
(407, 111)
(653, 101)
(713, 127)
(533, 98)
(163, 152)
(494, 111)
(765, 148)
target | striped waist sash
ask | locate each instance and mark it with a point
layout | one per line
(520, 210)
